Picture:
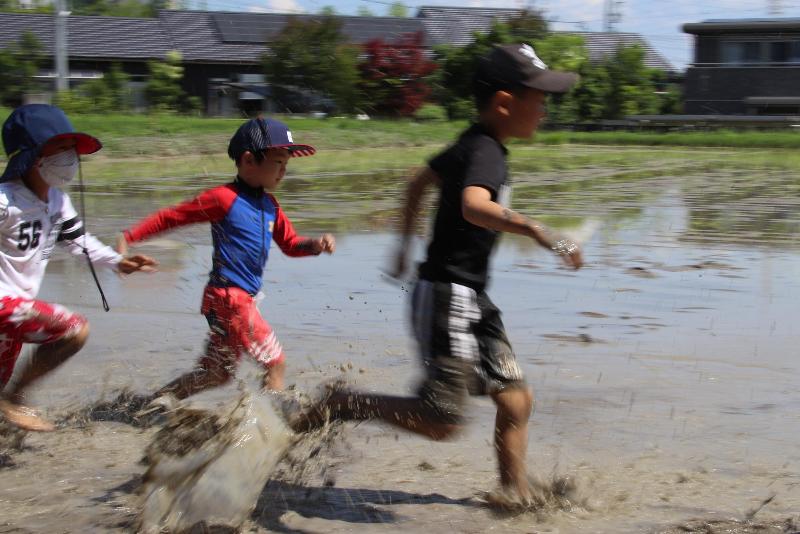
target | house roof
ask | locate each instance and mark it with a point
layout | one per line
(225, 37)
(457, 25)
(198, 39)
(601, 45)
(91, 37)
(742, 26)
(262, 27)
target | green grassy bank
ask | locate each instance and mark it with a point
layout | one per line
(180, 147)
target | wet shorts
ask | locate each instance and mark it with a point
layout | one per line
(236, 328)
(31, 321)
(464, 347)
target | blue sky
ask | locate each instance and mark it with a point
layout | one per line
(658, 20)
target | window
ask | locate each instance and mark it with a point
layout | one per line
(739, 53)
(778, 52)
(752, 52)
(794, 51)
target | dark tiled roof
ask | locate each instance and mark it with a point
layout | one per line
(262, 27)
(208, 37)
(456, 25)
(742, 25)
(601, 45)
(91, 37)
(198, 39)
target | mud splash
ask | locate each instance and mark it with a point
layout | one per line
(732, 526)
(11, 441)
(207, 468)
(549, 495)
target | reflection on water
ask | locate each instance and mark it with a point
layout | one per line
(677, 336)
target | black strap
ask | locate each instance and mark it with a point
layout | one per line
(86, 250)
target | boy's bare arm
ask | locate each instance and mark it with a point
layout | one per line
(415, 192)
(479, 209)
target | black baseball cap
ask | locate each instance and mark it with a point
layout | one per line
(257, 135)
(517, 65)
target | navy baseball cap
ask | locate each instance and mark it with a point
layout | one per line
(257, 135)
(517, 65)
(29, 128)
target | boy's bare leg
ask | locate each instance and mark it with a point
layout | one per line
(195, 381)
(44, 359)
(273, 378)
(409, 413)
(514, 407)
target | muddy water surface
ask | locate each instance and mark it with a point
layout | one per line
(665, 371)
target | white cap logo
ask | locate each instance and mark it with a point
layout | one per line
(527, 50)
(289, 135)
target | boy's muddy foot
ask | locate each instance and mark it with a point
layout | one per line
(129, 408)
(317, 414)
(24, 417)
(508, 500)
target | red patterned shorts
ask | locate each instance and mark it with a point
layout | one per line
(31, 321)
(237, 328)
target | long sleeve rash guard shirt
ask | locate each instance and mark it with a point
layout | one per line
(244, 220)
(30, 229)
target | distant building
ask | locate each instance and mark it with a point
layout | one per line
(456, 26)
(223, 52)
(744, 67)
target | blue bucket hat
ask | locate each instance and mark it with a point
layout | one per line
(260, 134)
(29, 128)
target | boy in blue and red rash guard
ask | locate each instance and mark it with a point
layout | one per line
(244, 219)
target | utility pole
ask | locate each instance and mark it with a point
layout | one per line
(62, 66)
(612, 15)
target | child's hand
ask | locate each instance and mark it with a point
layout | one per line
(138, 262)
(122, 244)
(569, 252)
(574, 259)
(325, 243)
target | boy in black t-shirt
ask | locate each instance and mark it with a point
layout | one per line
(461, 336)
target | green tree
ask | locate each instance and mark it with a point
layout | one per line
(632, 90)
(111, 92)
(327, 11)
(398, 9)
(119, 8)
(107, 94)
(313, 56)
(19, 63)
(90, 7)
(364, 11)
(452, 85)
(15, 6)
(568, 53)
(163, 89)
(528, 27)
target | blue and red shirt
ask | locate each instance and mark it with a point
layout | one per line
(244, 221)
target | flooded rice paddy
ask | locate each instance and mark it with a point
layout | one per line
(665, 371)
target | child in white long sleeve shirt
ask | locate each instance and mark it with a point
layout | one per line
(43, 154)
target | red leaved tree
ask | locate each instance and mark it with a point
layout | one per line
(393, 76)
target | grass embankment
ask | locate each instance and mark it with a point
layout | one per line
(179, 147)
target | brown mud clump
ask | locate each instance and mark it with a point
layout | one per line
(11, 441)
(732, 526)
(547, 496)
(207, 467)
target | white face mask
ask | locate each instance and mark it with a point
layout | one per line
(59, 169)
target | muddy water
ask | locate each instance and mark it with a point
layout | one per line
(665, 370)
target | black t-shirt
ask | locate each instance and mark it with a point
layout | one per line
(459, 251)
